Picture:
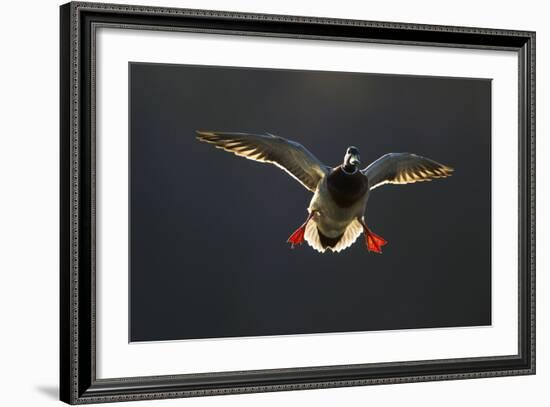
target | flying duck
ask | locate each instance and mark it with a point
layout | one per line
(336, 212)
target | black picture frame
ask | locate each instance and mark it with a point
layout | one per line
(78, 381)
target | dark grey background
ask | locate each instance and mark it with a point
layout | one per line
(208, 251)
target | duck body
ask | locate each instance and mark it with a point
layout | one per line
(337, 205)
(340, 194)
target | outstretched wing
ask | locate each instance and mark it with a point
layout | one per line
(404, 168)
(289, 155)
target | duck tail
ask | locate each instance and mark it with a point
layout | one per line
(322, 243)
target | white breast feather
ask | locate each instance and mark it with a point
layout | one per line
(351, 234)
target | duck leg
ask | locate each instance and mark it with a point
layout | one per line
(373, 242)
(297, 237)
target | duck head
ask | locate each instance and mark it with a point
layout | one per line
(352, 160)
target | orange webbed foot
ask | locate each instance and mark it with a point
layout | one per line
(374, 242)
(297, 238)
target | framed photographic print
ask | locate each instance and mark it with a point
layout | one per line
(257, 203)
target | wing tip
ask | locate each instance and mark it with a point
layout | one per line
(439, 170)
(211, 137)
(201, 134)
(447, 171)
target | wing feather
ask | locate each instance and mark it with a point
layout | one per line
(288, 155)
(404, 168)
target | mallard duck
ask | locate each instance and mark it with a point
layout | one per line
(336, 211)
